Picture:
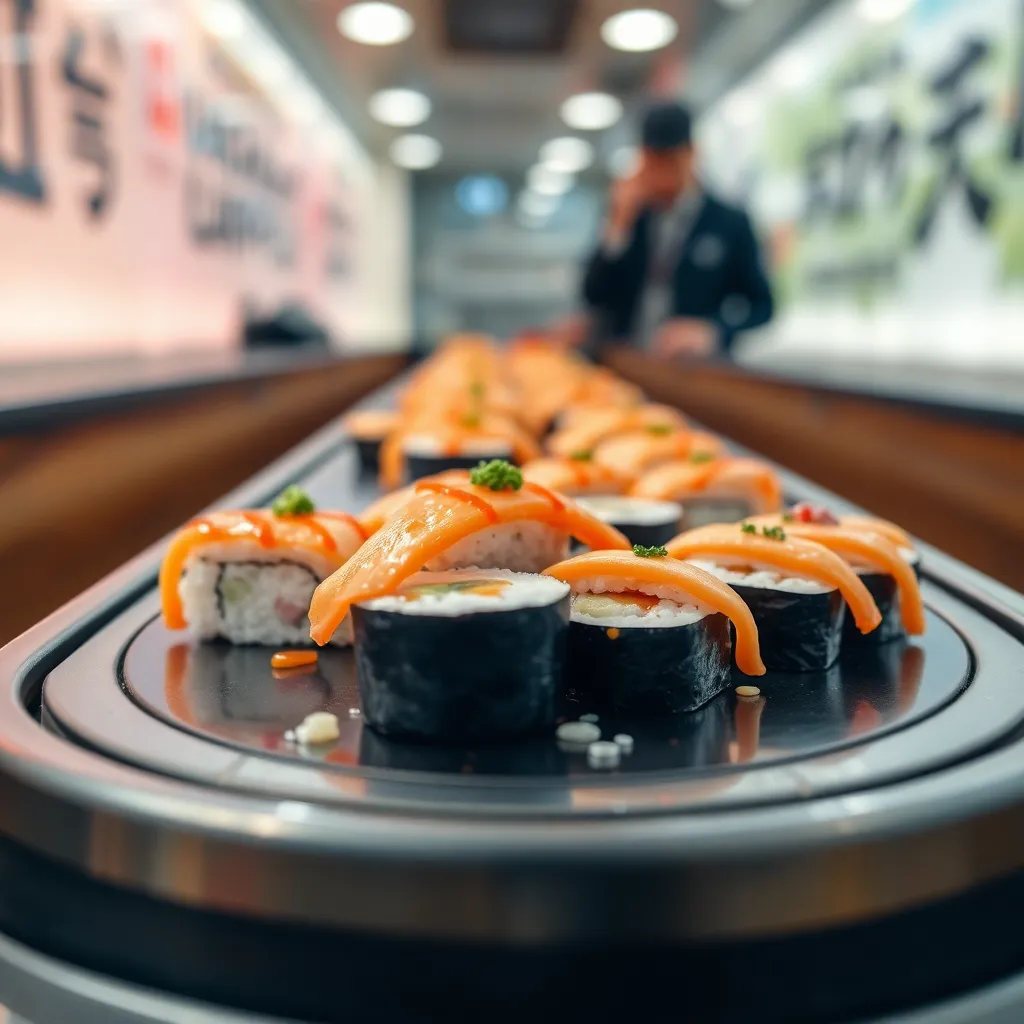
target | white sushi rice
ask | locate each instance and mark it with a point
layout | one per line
(763, 578)
(429, 446)
(251, 602)
(637, 511)
(525, 590)
(522, 546)
(676, 607)
(709, 509)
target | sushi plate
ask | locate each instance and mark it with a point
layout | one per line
(838, 836)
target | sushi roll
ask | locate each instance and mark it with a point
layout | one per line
(650, 634)
(435, 443)
(714, 490)
(491, 519)
(588, 428)
(879, 552)
(576, 476)
(637, 452)
(248, 577)
(644, 521)
(797, 590)
(368, 428)
(463, 656)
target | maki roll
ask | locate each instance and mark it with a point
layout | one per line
(796, 589)
(430, 454)
(248, 577)
(490, 519)
(464, 656)
(588, 428)
(643, 521)
(576, 476)
(637, 452)
(368, 428)
(651, 634)
(714, 490)
(435, 442)
(879, 552)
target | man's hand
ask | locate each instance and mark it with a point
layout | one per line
(684, 336)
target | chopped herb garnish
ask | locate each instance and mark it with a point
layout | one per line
(471, 419)
(644, 552)
(702, 457)
(659, 428)
(788, 517)
(774, 532)
(583, 455)
(498, 475)
(748, 528)
(477, 389)
(293, 501)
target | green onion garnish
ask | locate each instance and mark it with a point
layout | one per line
(498, 475)
(293, 501)
(654, 552)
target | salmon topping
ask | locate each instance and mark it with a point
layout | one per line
(704, 588)
(792, 556)
(430, 523)
(754, 481)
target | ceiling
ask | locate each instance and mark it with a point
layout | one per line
(493, 109)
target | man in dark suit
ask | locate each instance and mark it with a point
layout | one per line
(677, 271)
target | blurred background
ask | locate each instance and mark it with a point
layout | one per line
(221, 221)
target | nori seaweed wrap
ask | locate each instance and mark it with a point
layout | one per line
(466, 656)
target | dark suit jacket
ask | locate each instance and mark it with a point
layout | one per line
(719, 277)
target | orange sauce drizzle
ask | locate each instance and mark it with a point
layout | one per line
(208, 529)
(456, 492)
(581, 472)
(556, 502)
(261, 529)
(345, 517)
(292, 659)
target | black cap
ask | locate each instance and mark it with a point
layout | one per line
(666, 126)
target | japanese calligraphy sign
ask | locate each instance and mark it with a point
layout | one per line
(889, 179)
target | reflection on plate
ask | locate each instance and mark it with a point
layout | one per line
(232, 695)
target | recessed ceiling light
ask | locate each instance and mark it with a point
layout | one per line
(375, 24)
(623, 161)
(591, 111)
(416, 152)
(548, 182)
(567, 154)
(880, 11)
(400, 108)
(223, 18)
(639, 30)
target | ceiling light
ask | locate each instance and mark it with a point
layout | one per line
(624, 161)
(640, 30)
(416, 152)
(548, 182)
(881, 11)
(400, 108)
(533, 204)
(376, 24)
(223, 18)
(591, 111)
(567, 154)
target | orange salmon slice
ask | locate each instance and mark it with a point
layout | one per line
(702, 586)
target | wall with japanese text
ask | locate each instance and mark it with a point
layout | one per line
(152, 196)
(884, 165)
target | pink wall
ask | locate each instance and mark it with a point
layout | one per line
(133, 278)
